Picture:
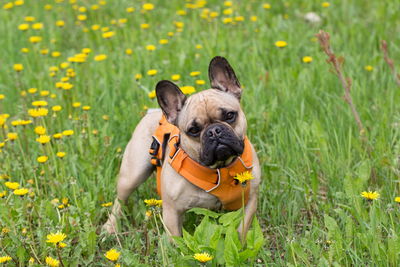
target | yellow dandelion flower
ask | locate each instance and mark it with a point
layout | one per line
(148, 213)
(195, 73)
(67, 86)
(39, 112)
(18, 67)
(105, 117)
(112, 254)
(100, 57)
(370, 195)
(23, 27)
(76, 104)
(86, 108)
(181, 12)
(325, 4)
(52, 262)
(369, 68)
(152, 72)
(40, 130)
(12, 136)
(163, 41)
(43, 139)
(61, 154)
(307, 59)
(152, 94)
(81, 17)
(187, 89)
(42, 159)
(144, 26)
(202, 257)
(60, 23)
(280, 44)
(68, 132)
(44, 93)
(175, 77)
(107, 204)
(108, 35)
(57, 135)
(12, 185)
(130, 9)
(3, 194)
(266, 6)
(35, 39)
(40, 103)
(128, 51)
(5, 230)
(138, 76)
(37, 26)
(397, 199)
(200, 82)
(21, 191)
(48, 7)
(148, 6)
(29, 18)
(55, 238)
(8, 5)
(4, 259)
(56, 108)
(243, 177)
(150, 47)
(152, 202)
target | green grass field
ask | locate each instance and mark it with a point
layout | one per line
(314, 164)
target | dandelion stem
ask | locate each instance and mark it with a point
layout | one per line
(165, 262)
(243, 214)
(59, 256)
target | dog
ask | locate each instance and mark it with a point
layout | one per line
(207, 136)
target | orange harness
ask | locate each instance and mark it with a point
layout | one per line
(218, 182)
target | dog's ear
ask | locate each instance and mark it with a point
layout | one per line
(222, 77)
(171, 99)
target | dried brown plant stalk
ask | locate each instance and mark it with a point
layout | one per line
(323, 38)
(389, 61)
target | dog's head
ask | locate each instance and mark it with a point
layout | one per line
(212, 124)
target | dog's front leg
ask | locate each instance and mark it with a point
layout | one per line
(250, 210)
(172, 218)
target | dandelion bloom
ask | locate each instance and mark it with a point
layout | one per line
(200, 82)
(163, 41)
(43, 139)
(148, 6)
(57, 135)
(35, 39)
(56, 108)
(202, 257)
(23, 27)
(151, 72)
(195, 73)
(37, 26)
(86, 108)
(12, 136)
(60, 23)
(39, 112)
(100, 57)
(42, 159)
(368, 68)
(244, 176)
(68, 132)
(55, 238)
(266, 6)
(112, 254)
(397, 199)
(4, 259)
(61, 154)
(3, 194)
(307, 59)
(128, 51)
(138, 76)
(107, 204)
(12, 185)
(18, 67)
(280, 44)
(52, 262)
(153, 202)
(325, 4)
(40, 130)
(76, 104)
(130, 9)
(21, 191)
(62, 245)
(175, 77)
(370, 195)
(40, 103)
(152, 94)
(108, 35)
(150, 47)
(187, 89)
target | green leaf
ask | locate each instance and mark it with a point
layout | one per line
(190, 241)
(216, 236)
(231, 252)
(205, 212)
(231, 218)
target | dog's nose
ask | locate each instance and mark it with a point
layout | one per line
(214, 131)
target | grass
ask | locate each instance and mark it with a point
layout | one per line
(314, 164)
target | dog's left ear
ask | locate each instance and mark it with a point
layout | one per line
(171, 99)
(222, 77)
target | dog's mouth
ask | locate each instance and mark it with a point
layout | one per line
(218, 154)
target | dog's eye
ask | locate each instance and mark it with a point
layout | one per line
(194, 131)
(230, 116)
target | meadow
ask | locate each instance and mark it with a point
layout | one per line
(77, 76)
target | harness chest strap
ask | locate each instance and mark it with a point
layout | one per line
(218, 182)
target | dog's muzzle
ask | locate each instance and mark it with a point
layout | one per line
(219, 144)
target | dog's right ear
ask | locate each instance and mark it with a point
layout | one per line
(171, 99)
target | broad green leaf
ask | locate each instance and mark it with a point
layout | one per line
(205, 212)
(190, 241)
(231, 218)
